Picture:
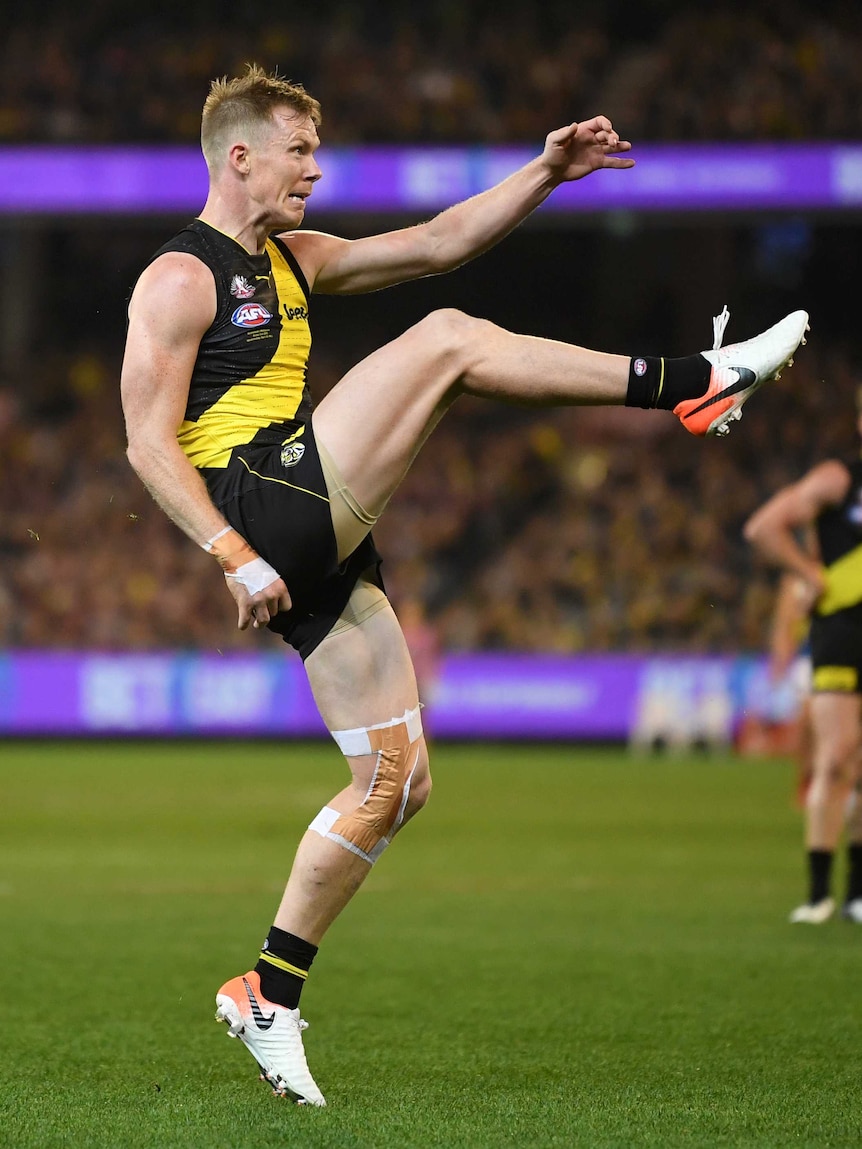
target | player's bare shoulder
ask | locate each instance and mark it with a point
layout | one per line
(313, 250)
(176, 290)
(827, 482)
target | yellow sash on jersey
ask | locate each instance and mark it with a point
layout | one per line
(843, 583)
(271, 395)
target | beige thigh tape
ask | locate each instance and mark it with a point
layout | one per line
(350, 520)
(365, 600)
(368, 829)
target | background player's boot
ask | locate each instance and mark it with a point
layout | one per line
(273, 1036)
(738, 371)
(814, 913)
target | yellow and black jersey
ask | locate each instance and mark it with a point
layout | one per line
(839, 534)
(249, 385)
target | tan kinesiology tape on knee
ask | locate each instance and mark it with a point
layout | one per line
(368, 830)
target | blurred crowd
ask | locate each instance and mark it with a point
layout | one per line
(593, 529)
(441, 71)
(568, 530)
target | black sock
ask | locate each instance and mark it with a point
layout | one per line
(283, 967)
(854, 871)
(665, 382)
(820, 873)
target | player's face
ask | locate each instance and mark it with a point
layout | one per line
(284, 168)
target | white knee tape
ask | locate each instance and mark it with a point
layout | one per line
(358, 741)
(368, 829)
(324, 824)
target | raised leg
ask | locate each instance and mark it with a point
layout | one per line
(377, 417)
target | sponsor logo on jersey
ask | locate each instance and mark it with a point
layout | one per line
(250, 315)
(639, 367)
(291, 453)
(241, 288)
(295, 312)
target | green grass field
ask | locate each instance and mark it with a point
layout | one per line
(570, 947)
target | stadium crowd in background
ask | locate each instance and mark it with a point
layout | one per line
(538, 531)
(552, 531)
(476, 71)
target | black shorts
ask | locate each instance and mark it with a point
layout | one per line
(836, 653)
(279, 504)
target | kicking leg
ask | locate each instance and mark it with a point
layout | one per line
(374, 421)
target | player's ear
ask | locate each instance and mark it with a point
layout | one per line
(239, 157)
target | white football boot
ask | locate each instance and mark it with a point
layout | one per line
(738, 370)
(273, 1036)
(814, 913)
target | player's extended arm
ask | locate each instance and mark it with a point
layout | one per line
(340, 266)
(773, 529)
(172, 306)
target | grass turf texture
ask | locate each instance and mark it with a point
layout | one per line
(571, 947)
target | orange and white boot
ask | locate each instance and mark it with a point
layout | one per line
(738, 370)
(273, 1036)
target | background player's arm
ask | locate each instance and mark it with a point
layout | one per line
(773, 529)
(339, 266)
(172, 306)
(793, 604)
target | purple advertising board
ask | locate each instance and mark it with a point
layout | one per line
(51, 180)
(501, 696)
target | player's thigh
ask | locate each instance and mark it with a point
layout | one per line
(377, 416)
(836, 723)
(363, 675)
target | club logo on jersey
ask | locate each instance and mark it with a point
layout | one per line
(291, 453)
(241, 288)
(639, 367)
(250, 315)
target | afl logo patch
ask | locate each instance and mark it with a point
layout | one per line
(291, 453)
(639, 366)
(250, 315)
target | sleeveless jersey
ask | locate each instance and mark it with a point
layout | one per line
(839, 532)
(248, 384)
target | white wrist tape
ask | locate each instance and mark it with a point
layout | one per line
(208, 545)
(254, 575)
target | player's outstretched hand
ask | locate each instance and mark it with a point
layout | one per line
(578, 149)
(259, 608)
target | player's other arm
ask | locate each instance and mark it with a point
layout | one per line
(775, 528)
(793, 604)
(339, 266)
(172, 306)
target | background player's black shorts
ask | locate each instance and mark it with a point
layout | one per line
(836, 653)
(281, 508)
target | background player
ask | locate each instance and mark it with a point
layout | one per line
(829, 499)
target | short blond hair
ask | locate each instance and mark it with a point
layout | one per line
(247, 102)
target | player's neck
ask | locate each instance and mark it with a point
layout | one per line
(249, 232)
